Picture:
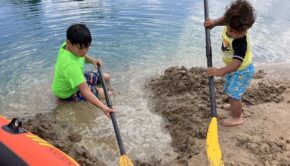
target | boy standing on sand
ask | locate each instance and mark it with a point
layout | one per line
(70, 83)
(236, 54)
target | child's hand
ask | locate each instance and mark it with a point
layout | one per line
(107, 111)
(209, 23)
(95, 62)
(212, 71)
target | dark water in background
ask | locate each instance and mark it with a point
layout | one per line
(135, 39)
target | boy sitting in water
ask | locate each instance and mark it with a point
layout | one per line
(236, 54)
(70, 83)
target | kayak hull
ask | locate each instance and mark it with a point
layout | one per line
(28, 149)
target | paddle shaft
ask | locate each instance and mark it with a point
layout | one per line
(113, 117)
(209, 63)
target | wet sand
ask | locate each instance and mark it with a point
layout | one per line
(181, 97)
(61, 136)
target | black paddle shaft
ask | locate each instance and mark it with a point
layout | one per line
(113, 117)
(209, 63)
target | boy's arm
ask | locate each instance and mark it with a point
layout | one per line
(89, 59)
(86, 92)
(219, 21)
(224, 70)
(210, 23)
(92, 60)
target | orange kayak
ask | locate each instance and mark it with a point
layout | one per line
(20, 147)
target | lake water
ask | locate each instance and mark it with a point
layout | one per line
(136, 40)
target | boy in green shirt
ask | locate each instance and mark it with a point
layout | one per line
(70, 83)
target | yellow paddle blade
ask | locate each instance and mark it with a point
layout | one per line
(125, 161)
(213, 150)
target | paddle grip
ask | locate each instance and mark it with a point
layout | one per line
(113, 117)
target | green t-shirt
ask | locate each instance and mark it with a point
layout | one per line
(68, 73)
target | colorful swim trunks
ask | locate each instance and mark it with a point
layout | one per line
(237, 83)
(93, 79)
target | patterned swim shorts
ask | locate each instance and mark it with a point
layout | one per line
(237, 83)
(93, 79)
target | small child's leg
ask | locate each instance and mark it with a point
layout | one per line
(226, 107)
(236, 108)
(236, 85)
(236, 114)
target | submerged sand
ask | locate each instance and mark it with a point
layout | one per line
(181, 97)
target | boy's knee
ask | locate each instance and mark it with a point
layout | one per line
(107, 77)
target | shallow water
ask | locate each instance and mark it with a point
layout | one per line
(136, 40)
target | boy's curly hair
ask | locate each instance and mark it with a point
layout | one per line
(240, 16)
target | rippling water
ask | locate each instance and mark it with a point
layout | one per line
(136, 40)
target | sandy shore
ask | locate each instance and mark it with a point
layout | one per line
(181, 97)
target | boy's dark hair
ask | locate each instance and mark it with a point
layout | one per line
(240, 16)
(79, 34)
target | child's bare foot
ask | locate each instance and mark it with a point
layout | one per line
(230, 121)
